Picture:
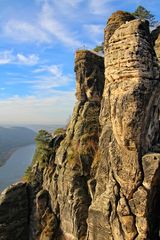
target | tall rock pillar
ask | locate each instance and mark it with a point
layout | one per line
(69, 179)
(123, 206)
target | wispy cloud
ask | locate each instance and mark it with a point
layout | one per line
(25, 32)
(95, 30)
(50, 24)
(46, 27)
(9, 57)
(61, 104)
(27, 60)
(6, 57)
(73, 3)
(45, 80)
(54, 69)
(101, 7)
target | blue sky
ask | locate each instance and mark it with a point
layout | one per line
(38, 39)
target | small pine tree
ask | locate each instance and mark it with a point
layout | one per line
(143, 14)
(43, 137)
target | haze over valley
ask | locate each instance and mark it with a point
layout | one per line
(12, 138)
(17, 147)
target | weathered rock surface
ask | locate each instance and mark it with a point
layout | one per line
(156, 41)
(63, 194)
(14, 213)
(89, 76)
(130, 116)
(100, 179)
(114, 22)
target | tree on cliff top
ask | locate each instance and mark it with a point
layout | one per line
(143, 14)
(43, 137)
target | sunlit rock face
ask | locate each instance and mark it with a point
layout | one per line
(66, 186)
(114, 22)
(156, 41)
(99, 179)
(123, 208)
(89, 76)
(74, 158)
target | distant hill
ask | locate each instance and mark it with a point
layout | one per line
(12, 138)
(47, 127)
(36, 127)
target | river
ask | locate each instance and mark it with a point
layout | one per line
(15, 166)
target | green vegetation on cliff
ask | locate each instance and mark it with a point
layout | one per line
(143, 14)
(46, 144)
(42, 153)
(59, 131)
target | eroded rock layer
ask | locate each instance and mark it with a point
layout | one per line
(99, 179)
(114, 22)
(14, 213)
(130, 128)
(76, 153)
(67, 184)
(156, 41)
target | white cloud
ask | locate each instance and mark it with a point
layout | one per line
(50, 24)
(46, 27)
(54, 77)
(45, 80)
(63, 3)
(31, 109)
(54, 69)
(25, 32)
(49, 83)
(100, 7)
(8, 57)
(73, 3)
(95, 30)
(27, 60)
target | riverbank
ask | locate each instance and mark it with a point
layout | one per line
(14, 168)
(7, 155)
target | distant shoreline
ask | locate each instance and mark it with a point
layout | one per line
(9, 153)
(13, 170)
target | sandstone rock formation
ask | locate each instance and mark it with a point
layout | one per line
(100, 179)
(131, 99)
(114, 22)
(156, 41)
(65, 188)
(14, 212)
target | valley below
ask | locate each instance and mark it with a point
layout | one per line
(14, 168)
(12, 138)
(17, 147)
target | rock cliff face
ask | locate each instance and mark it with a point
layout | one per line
(130, 128)
(100, 179)
(63, 190)
(156, 41)
(14, 212)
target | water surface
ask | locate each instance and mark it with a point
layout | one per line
(15, 166)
